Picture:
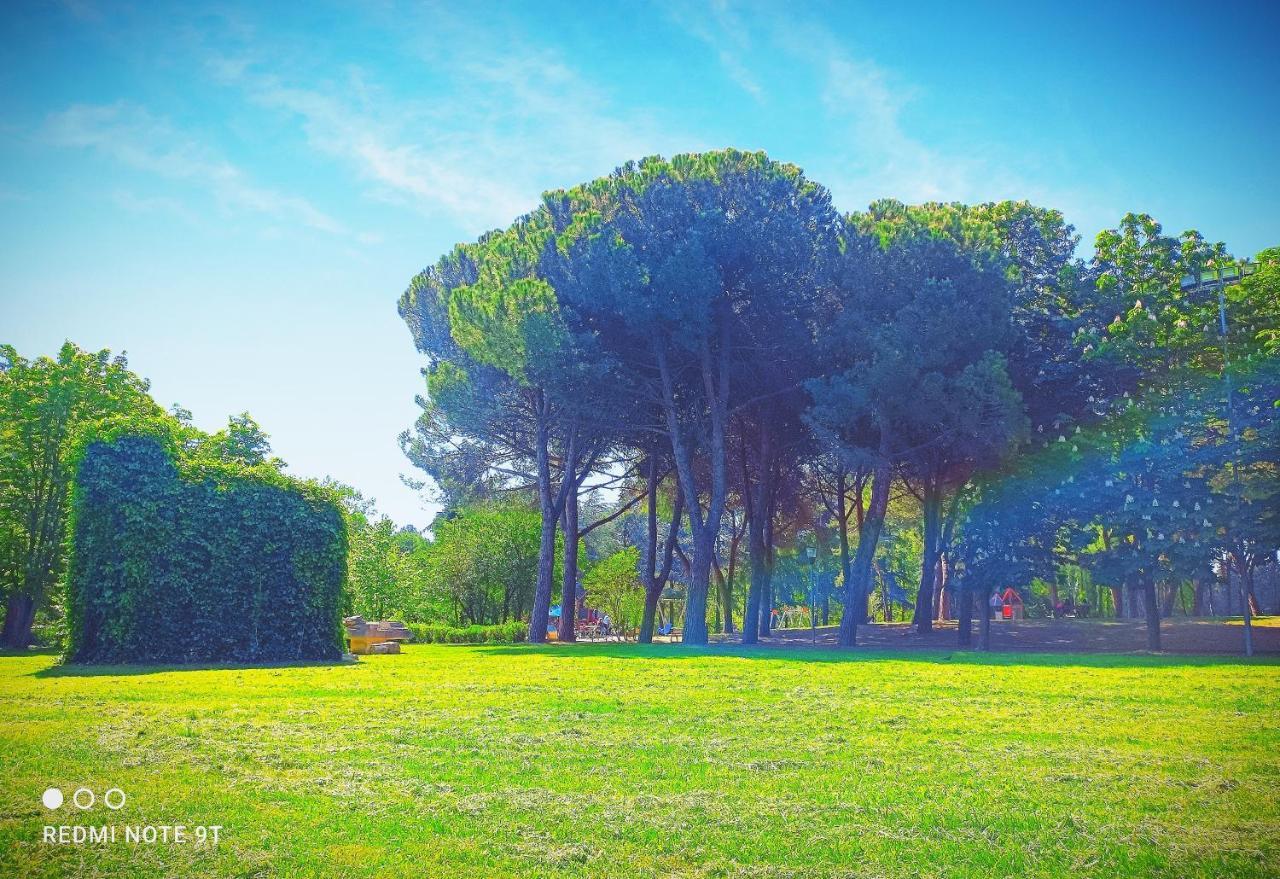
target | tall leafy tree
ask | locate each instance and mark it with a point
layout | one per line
(47, 406)
(926, 388)
(683, 266)
(492, 330)
(1050, 304)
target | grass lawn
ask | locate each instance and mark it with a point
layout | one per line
(625, 761)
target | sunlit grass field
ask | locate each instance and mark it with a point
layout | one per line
(626, 761)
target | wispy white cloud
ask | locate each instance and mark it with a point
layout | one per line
(865, 106)
(862, 105)
(430, 171)
(503, 120)
(130, 135)
(856, 108)
(860, 144)
(154, 204)
(719, 26)
(867, 110)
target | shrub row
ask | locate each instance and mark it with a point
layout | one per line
(503, 633)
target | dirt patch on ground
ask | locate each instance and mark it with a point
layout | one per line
(1204, 636)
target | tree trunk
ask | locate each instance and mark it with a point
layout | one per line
(550, 504)
(726, 603)
(1117, 601)
(651, 597)
(703, 524)
(766, 593)
(1170, 594)
(985, 627)
(569, 590)
(942, 584)
(695, 608)
(964, 630)
(1254, 608)
(858, 586)
(19, 617)
(651, 594)
(758, 476)
(946, 542)
(734, 540)
(923, 618)
(1248, 605)
(755, 588)
(1153, 611)
(936, 610)
(860, 515)
(541, 612)
(842, 522)
(657, 573)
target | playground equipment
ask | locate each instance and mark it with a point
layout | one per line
(588, 622)
(1011, 606)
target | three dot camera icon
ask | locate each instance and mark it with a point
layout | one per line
(84, 798)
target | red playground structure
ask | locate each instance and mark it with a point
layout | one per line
(1011, 607)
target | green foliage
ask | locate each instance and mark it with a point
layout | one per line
(483, 561)
(613, 586)
(1161, 489)
(187, 561)
(243, 441)
(1254, 305)
(503, 326)
(906, 373)
(482, 305)
(513, 632)
(585, 211)
(49, 407)
(1138, 256)
(381, 574)
(386, 565)
(476, 570)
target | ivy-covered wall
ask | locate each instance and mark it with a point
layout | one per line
(199, 566)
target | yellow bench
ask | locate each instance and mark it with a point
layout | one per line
(369, 637)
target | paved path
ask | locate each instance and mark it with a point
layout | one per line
(1067, 636)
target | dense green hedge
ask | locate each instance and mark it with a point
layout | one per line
(503, 633)
(169, 566)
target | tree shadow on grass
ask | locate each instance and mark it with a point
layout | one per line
(75, 670)
(809, 654)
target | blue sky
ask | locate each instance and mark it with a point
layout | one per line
(236, 195)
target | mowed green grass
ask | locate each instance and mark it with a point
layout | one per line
(623, 761)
